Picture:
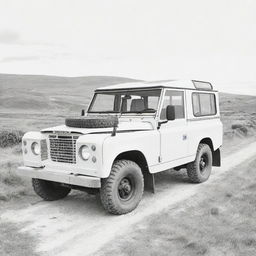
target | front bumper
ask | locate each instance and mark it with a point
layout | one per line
(62, 177)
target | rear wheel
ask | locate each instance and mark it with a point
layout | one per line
(49, 190)
(200, 170)
(122, 191)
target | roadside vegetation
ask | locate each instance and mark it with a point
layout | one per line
(238, 115)
(11, 185)
(217, 221)
(10, 138)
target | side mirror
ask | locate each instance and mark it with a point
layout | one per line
(82, 112)
(170, 112)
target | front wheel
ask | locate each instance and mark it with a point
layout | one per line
(200, 170)
(122, 191)
(49, 190)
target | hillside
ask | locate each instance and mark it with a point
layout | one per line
(35, 101)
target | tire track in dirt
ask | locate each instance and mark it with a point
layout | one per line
(78, 225)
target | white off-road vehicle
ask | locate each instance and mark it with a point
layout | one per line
(130, 132)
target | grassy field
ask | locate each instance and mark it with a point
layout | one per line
(238, 115)
(217, 221)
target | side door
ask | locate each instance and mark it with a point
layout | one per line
(173, 134)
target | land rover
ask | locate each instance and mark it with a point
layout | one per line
(128, 133)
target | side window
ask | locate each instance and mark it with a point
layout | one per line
(196, 104)
(204, 104)
(176, 99)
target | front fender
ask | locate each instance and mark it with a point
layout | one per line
(90, 167)
(147, 142)
(29, 158)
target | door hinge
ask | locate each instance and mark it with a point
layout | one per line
(159, 159)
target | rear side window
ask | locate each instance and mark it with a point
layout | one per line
(204, 104)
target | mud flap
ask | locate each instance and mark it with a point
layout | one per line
(149, 181)
(216, 158)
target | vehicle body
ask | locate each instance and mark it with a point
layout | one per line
(159, 125)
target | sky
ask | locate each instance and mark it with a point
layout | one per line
(213, 40)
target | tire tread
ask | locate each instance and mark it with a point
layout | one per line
(92, 122)
(107, 184)
(192, 167)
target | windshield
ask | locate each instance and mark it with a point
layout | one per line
(137, 101)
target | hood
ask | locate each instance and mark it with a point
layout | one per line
(122, 126)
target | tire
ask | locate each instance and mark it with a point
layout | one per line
(122, 191)
(200, 170)
(49, 190)
(92, 122)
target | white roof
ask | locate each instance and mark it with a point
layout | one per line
(188, 84)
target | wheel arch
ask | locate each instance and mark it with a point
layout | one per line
(216, 157)
(139, 158)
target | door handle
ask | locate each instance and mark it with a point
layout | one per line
(184, 136)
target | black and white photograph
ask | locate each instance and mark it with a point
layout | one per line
(127, 128)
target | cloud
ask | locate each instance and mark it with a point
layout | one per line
(9, 37)
(24, 58)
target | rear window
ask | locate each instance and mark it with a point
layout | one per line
(204, 104)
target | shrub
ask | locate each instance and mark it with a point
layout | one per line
(10, 138)
(11, 185)
(241, 128)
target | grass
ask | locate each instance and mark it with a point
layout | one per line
(12, 186)
(219, 221)
(238, 115)
(10, 138)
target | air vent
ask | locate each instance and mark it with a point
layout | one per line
(201, 85)
(44, 150)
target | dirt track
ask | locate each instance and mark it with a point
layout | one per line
(79, 226)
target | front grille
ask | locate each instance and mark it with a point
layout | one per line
(63, 148)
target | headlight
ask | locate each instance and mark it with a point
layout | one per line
(84, 152)
(35, 147)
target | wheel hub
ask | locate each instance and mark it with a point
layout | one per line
(125, 188)
(203, 163)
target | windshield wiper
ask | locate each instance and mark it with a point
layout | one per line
(103, 112)
(138, 112)
(131, 112)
